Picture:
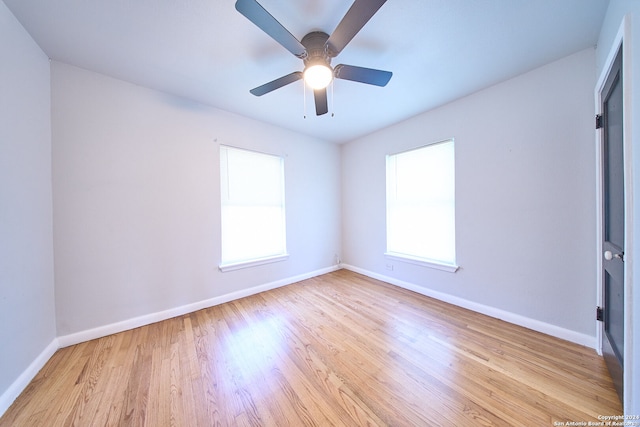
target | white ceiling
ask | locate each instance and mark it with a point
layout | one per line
(438, 51)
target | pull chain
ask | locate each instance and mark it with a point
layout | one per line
(304, 97)
(332, 107)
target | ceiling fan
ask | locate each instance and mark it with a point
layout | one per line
(316, 49)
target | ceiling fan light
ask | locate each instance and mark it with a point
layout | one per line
(318, 76)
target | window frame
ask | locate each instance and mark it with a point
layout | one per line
(452, 266)
(225, 266)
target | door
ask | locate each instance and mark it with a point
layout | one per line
(613, 222)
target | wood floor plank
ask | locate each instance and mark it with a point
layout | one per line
(340, 349)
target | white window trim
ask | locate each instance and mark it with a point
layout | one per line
(252, 263)
(423, 262)
(412, 259)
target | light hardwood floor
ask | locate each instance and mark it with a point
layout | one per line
(336, 350)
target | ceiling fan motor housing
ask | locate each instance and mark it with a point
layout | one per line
(317, 53)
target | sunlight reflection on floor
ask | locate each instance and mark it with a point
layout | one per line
(257, 345)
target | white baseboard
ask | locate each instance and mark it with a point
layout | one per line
(14, 390)
(507, 316)
(136, 322)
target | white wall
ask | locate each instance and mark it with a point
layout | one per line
(524, 197)
(27, 324)
(612, 22)
(137, 204)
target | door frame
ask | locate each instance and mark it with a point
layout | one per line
(622, 39)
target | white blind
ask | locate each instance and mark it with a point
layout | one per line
(421, 203)
(253, 211)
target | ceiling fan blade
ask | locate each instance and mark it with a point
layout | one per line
(320, 96)
(363, 75)
(357, 16)
(255, 13)
(277, 83)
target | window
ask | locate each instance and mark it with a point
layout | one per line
(421, 206)
(253, 216)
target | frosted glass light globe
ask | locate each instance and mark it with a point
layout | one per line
(318, 76)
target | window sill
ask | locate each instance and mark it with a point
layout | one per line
(438, 265)
(252, 263)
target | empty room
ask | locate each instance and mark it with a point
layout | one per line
(323, 213)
